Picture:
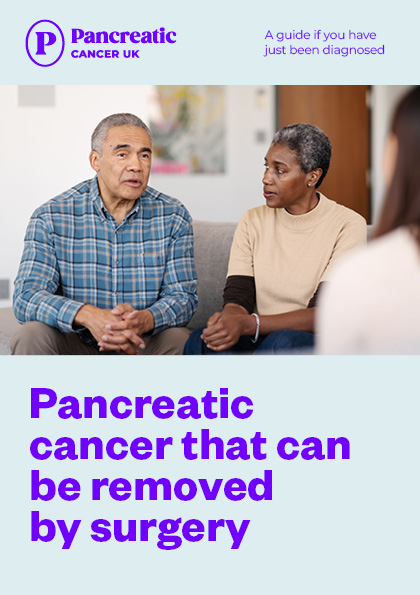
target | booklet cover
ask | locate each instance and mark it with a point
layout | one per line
(289, 473)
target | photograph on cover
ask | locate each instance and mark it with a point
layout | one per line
(209, 219)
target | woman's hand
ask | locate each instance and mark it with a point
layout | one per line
(225, 328)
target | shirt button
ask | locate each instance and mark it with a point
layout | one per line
(116, 262)
(117, 293)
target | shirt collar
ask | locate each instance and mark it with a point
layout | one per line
(99, 205)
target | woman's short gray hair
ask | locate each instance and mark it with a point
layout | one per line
(100, 132)
(310, 144)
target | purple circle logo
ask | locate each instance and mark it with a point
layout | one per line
(45, 43)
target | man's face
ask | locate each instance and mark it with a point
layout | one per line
(123, 169)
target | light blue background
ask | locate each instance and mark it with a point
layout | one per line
(218, 43)
(333, 527)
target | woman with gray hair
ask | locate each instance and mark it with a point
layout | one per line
(281, 253)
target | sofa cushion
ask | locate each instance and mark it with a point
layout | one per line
(212, 242)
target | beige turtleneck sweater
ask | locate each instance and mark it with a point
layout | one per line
(289, 255)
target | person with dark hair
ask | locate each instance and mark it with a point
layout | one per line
(282, 253)
(108, 265)
(379, 287)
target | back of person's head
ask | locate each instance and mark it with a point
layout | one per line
(310, 144)
(402, 202)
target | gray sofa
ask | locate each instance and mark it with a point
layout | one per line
(212, 243)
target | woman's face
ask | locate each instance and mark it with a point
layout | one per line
(285, 184)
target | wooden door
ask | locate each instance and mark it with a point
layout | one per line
(342, 112)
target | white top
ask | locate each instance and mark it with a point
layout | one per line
(371, 304)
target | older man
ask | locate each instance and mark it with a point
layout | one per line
(108, 265)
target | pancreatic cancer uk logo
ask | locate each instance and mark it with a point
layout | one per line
(45, 43)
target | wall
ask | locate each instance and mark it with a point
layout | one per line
(384, 100)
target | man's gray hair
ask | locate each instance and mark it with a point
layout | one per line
(100, 132)
(310, 144)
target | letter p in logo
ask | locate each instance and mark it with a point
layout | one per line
(45, 43)
(44, 38)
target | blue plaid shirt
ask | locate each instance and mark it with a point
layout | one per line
(75, 253)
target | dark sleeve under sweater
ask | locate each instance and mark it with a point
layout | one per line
(240, 289)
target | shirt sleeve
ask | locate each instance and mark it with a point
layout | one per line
(240, 289)
(37, 285)
(352, 234)
(178, 293)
